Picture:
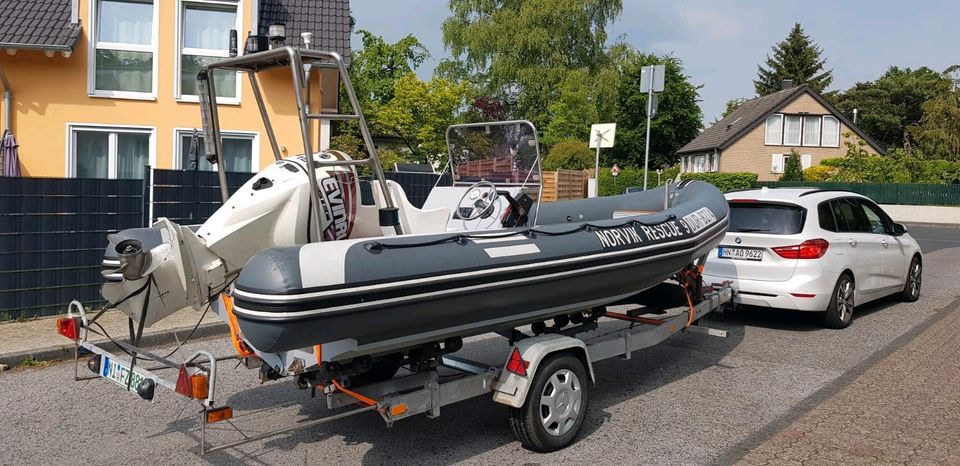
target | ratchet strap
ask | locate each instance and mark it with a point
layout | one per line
(362, 399)
(238, 344)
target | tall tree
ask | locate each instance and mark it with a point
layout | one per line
(889, 105)
(796, 58)
(523, 51)
(733, 104)
(938, 134)
(378, 65)
(678, 119)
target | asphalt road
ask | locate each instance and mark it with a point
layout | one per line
(692, 400)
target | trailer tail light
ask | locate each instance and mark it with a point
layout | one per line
(516, 364)
(192, 385)
(67, 326)
(219, 414)
(809, 249)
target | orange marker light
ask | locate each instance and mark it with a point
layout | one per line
(398, 409)
(198, 385)
(219, 414)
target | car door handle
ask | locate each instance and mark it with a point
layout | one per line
(852, 242)
(883, 243)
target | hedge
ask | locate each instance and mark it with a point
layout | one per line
(630, 177)
(724, 181)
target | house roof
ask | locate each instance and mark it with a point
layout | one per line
(328, 20)
(751, 113)
(38, 25)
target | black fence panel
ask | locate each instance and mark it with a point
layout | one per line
(52, 235)
(417, 186)
(188, 197)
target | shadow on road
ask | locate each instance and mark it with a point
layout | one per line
(466, 429)
(786, 319)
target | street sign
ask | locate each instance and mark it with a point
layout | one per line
(615, 170)
(652, 74)
(601, 135)
(654, 102)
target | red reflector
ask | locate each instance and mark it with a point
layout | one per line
(67, 326)
(183, 383)
(803, 295)
(809, 249)
(516, 364)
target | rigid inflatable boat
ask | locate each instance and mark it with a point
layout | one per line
(316, 268)
(393, 292)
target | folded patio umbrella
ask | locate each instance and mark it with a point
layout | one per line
(8, 153)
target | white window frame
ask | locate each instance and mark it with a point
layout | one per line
(93, 45)
(254, 136)
(715, 164)
(806, 161)
(803, 130)
(782, 163)
(784, 132)
(71, 144)
(824, 142)
(178, 41)
(767, 141)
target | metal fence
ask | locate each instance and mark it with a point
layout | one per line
(187, 197)
(888, 193)
(52, 235)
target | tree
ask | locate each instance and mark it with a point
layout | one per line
(678, 119)
(938, 134)
(571, 154)
(522, 52)
(793, 169)
(796, 58)
(376, 68)
(889, 105)
(574, 110)
(420, 112)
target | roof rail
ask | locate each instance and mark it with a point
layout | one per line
(816, 190)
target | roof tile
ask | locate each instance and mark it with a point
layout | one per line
(328, 20)
(39, 23)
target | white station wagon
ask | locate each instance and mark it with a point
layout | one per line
(814, 250)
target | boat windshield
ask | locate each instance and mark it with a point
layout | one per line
(503, 153)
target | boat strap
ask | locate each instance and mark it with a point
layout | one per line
(238, 344)
(690, 279)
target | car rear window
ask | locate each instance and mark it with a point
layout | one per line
(761, 217)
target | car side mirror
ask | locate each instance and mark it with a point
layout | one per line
(899, 229)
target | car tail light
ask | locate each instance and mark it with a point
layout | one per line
(516, 364)
(192, 385)
(67, 326)
(809, 249)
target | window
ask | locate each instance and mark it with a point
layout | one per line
(831, 131)
(876, 217)
(850, 216)
(761, 217)
(700, 161)
(715, 166)
(825, 216)
(778, 162)
(98, 152)
(122, 59)
(774, 130)
(240, 152)
(806, 161)
(811, 130)
(204, 36)
(791, 130)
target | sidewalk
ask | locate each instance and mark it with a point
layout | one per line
(39, 338)
(903, 410)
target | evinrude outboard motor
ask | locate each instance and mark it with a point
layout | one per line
(189, 269)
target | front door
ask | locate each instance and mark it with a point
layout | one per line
(894, 257)
(863, 248)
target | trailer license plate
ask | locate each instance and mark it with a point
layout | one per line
(120, 374)
(740, 253)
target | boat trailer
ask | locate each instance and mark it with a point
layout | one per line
(547, 373)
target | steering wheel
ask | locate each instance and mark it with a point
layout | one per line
(478, 200)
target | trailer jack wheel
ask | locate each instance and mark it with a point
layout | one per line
(556, 405)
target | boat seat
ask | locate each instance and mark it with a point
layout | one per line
(412, 219)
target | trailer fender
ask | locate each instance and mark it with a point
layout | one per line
(512, 388)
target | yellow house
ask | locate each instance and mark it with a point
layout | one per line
(761, 133)
(101, 88)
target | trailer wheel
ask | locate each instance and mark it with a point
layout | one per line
(556, 405)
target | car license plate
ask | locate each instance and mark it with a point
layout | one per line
(740, 253)
(120, 374)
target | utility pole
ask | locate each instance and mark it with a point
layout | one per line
(651, 80)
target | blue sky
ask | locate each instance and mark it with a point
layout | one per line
(722, 43)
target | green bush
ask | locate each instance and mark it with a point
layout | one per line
(631, 178)
(724, 181)
(819, 173)
(793, 170)
(570, 154)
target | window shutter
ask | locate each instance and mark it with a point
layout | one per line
(806, 161)
(776, 165)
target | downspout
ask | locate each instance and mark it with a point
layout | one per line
(255, 17)
(7, 100)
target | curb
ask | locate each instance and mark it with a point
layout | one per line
(953, 226)
(65, 350)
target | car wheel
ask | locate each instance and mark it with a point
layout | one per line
(839, 313)
(911, 289)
